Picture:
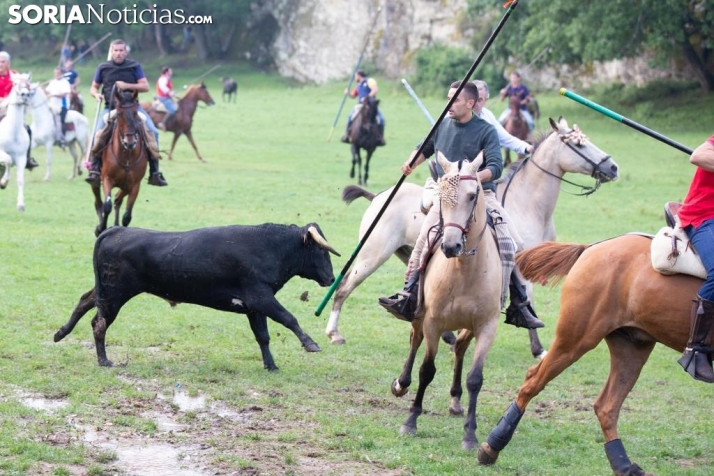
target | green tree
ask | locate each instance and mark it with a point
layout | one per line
(585, 31)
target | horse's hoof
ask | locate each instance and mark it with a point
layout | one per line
(336, 339)
(21, 208)
(486, 454)
(312, 347)
(469, 445)
(397, 390)
(106, 363)
(455, 407)
(407, 430)
(3, 185)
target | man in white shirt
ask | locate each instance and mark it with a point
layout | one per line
(58, 91)
(507, 140)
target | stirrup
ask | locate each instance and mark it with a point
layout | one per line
(520, 315)
(94, 178)
(157, 179)
(401, 305)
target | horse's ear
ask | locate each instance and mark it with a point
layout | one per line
(443, 161)
(476, 163)
(553, 124)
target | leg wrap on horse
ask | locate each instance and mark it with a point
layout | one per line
(502, 434)
(619, 462)
(697, 357)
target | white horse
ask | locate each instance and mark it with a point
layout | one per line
(529, 191)
(43, 131)
(14, 140)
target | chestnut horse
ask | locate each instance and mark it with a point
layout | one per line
(182, 121)
(515, 124)
(364, 134)
(124, 160)
(611, 293)
(462, 289)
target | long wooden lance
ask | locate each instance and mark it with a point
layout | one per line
(416, 99)
(64, 44)
(626, 121)
(202, 75)
(352, 76)
(91, 47)
(511, 5)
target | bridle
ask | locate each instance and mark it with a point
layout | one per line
(573, 136)
(448, 188)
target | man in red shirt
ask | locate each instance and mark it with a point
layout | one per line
(5, 90)
(696, 217)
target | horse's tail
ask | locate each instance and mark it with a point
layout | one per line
(353, 192)
(548, 260)
(86, 302)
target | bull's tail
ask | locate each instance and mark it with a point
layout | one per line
(353, 192)
(86, 303)
(548, 260)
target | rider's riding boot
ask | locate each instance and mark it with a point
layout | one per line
(346, 138)
(402, 305)
(697, 357)
(95, 170)
(31, 163)
(380, 138)
(155, 177)
(520, 313)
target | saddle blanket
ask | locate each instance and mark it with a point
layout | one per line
(506, 248)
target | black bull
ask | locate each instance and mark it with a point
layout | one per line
(231, 268)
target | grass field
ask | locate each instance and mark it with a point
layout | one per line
(193, 398)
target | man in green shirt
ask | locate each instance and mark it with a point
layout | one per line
(460, 136)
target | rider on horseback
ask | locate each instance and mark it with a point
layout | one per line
(365, 87)
(58, 91)
(6, 75)
(462, 136)
(125, 74)
(165, 94)
(520, 90)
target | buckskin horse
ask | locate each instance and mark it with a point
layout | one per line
(182, 121)
(124, 160)
(528, 190)
(364, 134)
(515, 124)
(611, 293)
(462, 289)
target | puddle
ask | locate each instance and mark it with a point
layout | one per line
(39, 403)
(187, 403)
(154, 460)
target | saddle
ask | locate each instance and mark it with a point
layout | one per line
(671, 252)
(158, 106)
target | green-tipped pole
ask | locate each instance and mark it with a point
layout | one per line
(511, 6)
(624, 120)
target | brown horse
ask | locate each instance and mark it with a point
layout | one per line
(364, 134)
(611, 293)
(76, 103)
(182, 121)
(124, 160)
(462, 290)
(515, 124)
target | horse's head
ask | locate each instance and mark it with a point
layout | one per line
(459, 190)
(23, 87)
(514, 103)
(127, 119)
(581, 155)
(203, 94)
(371, 105)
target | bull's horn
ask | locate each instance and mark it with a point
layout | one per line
(312, 231)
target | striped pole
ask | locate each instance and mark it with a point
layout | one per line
(624, 120)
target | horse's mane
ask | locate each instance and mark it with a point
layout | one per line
(514, 166)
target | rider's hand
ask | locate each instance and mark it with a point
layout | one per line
(406, 169)
(121, 84)
(98, 96)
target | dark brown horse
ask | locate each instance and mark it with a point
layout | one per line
(364, 134)
(611, 293)
(124, 160)
(182, 121)
(515, 124)
(76, 103)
